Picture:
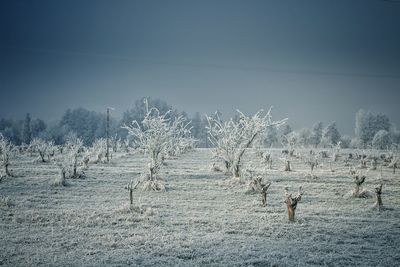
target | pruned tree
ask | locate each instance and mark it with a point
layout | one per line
(266, 157)
(99, 150)
(131, 186)
(69, 162)
(378, 203)
(75, 147)
(358, 191)
(233, 137)
(290, 141)
(45, 149)
(288, 167)
(291, 202)
(256, 185)
(312, 161)
(154, 136)
(374, 163)
(64, 167)
(7, 151)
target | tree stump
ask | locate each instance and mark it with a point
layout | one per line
(378, 204)
(291, 202)
(358, 192)
(287, 166)
(131, 186)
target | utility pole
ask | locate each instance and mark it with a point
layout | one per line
(108, 133)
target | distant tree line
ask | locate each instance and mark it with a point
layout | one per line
(91, 125)
(371, 130)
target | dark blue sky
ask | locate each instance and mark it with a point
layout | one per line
(312, 60)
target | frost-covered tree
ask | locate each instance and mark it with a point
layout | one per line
(285, 130)
(345, 141)
(395, 135)
(382, 140)
(99, 150)
(331, 134)
(304, 137)
(378, 197)
(291, 202)
(316, 134)
(199, 129)
(69, 162)
(45, 149)
(271, 136)
(290, 141)
(154, 136)
(74, 149)
(233, 137)
(140, 109)
(7, 151)
(368, 124)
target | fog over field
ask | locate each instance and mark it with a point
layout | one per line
(199, 133)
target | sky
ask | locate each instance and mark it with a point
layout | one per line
(311, 60)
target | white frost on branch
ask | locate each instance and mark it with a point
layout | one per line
(233, 137)
(46, 150)
(157, 137)
(7, 151)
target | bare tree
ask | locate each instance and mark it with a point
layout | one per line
(61, 179)
(75, 147)
(312, 161)
(358, 190)
(131, 186)
(7, 151)
(154, 139)
(45, 149)
(267, 158)
(288, 167)
(99, 150)
(69, 162)
(232, 138)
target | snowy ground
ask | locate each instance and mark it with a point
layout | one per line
(201, 220)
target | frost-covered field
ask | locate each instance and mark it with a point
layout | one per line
(201, 220)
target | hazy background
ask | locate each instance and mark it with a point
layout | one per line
(313, 60)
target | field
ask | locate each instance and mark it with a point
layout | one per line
(201, 220)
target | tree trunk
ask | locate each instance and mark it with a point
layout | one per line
(287, 166)
(291, 212)
(378, 203)
(291, 203)
(357, 191)
(42, 157)
(8, 173)
(131, 195)
(264, 189)
(236, 171)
